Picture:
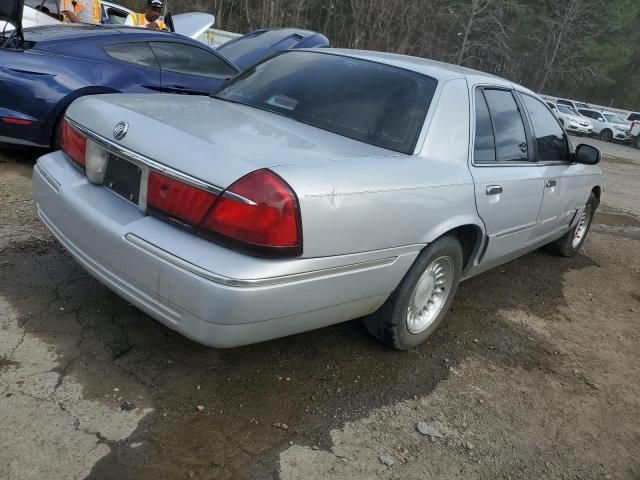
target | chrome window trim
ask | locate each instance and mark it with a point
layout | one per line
(472, 129)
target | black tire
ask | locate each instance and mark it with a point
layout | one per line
(57, 134)
(637, 142)
(565, 245)
(606, 135)
(390, 324)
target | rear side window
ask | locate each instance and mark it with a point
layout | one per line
(550, 139)
(565, 102)
(633, 117)
(508, 128)
(586, 113)
(484, 145)
(137, 53)
(182, 58)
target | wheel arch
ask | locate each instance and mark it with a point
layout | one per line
(597, 191)
(468, 230)
(62, 105)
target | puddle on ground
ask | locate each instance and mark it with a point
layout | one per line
(615, 219)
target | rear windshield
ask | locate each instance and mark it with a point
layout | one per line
(371, 102)
(257, 44)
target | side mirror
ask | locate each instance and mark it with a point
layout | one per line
(587, 154)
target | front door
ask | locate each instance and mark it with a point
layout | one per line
(563, 181)
(508, 185)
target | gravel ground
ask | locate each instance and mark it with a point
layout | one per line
(535, 373)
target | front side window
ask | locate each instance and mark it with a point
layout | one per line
(367, 101)
(136, 53)
(182, 58)
(508, 127)
(550, 139)
(484, 145)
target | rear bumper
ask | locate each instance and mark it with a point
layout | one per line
(208, 293)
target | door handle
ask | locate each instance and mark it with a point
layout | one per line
(494, 189)
(550, 183)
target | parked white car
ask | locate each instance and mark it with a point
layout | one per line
(572, 103)
(572, 121)
(633, 117)
(635, 133)
(607, 125)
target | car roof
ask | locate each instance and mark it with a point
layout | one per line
(247, 49)
(50, 33)
(433, 68)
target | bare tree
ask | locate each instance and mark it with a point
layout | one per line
(564, 31)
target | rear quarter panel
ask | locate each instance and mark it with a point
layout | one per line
(372, 203)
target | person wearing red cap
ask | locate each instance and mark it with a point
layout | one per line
(150, 19)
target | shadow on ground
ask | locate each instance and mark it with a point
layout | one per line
(312, 382)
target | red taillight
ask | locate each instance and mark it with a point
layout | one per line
(260, 213)
(16, 121)
(177, 201)
(73, 143)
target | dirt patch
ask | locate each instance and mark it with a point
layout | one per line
(615, 219)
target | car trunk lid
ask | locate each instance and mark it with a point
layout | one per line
(212, 140)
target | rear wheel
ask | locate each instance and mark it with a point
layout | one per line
(606, 135)
(637, 142)
(570, 243)
(418, 305)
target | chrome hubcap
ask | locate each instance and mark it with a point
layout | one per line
(581, 229)
(430, 294)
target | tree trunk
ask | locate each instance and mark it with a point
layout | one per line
(467, 30)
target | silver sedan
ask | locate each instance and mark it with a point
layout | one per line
(317, 187)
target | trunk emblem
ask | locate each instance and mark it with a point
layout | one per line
(120, 130)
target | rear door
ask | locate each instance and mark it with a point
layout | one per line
(563, 180)
(508, 184)
(189, 69)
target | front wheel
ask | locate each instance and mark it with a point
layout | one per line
(606, 135)
(637, 142)
(418, 305)
(569, 244)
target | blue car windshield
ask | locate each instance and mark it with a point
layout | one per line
(367, 101)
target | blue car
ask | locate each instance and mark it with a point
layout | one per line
(254, 46)
(42, 74)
